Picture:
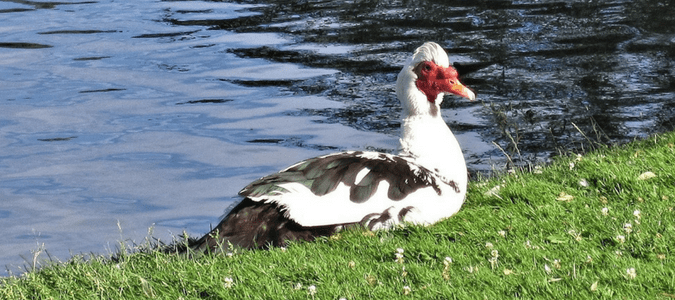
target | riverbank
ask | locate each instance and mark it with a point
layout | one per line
(597, 225)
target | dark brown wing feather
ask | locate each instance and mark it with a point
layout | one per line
(258, 225)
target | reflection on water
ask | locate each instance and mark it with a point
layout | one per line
(542, 67)
(153, 112)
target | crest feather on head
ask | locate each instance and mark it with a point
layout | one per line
(431, 51)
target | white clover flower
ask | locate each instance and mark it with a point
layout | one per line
(228, 282)
(298, 286)
(398, 256)
(489, 245)
(630, 273)
(636, 213)
(493, 261)
(494, 258)
(556, 264)
(628, 227)
(311, 290)
(446, 267)
(621, 238)
(406, 290)
(605, 211)
(502, 233)
(537, 170)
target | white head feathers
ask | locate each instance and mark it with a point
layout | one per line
(413, 101)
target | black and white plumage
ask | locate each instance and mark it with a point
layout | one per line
(424, 183)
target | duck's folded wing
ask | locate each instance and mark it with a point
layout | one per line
(345, 187)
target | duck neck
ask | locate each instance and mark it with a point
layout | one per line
(430, 142)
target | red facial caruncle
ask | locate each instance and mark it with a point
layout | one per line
(433, 79)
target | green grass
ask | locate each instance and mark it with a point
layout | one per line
(540, 235)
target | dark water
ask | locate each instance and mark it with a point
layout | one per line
(154, 114)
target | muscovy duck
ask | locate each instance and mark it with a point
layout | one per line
(426, 182)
